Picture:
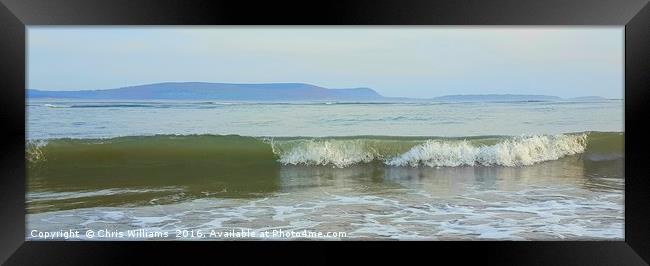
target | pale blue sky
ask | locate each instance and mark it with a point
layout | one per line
(409, 61)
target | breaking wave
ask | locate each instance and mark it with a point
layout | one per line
(516, 151)
(330, 151)
(512, 152)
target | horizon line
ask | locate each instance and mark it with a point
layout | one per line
(310, 84)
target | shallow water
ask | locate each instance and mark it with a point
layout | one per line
(551, 200)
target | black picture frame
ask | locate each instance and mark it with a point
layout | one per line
(16, 15)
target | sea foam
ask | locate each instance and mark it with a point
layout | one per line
(519, 151)
(511, 152)
(339, 153)
(33, 150)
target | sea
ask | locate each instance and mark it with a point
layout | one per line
(213, 170)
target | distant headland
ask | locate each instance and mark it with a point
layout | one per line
(269, 92)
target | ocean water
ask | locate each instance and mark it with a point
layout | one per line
(94, 119)
(407, 171)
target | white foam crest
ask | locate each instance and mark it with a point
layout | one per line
(519, 151)
(226, 103)
(56, 105)
(325, 152)
(33, 151)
